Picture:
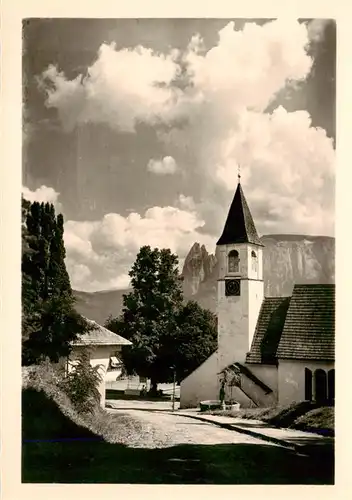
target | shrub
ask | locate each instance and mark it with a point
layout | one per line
(81, 384)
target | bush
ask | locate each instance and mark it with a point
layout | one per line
(286, 415)
(319, 419)
(81, 384)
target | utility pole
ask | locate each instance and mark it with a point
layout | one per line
(173, 391)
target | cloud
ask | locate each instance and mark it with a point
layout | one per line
(209, 107)
(287, 165)
(121, 88)
(166, 165)
(288, 169)
(42, 194)
(100, 253)
(124, 87)
(316, 29)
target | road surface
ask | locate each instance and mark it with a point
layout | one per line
(184, 450)
(161, 429)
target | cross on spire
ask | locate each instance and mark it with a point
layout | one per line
(239, 173)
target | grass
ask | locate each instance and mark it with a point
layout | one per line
(304, 416)
(319, 419)
(41, 395)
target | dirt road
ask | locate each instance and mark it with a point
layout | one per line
(191, 451)
(162, 429)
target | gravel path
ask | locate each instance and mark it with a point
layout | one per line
(158, 429)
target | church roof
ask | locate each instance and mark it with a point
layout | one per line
(298, 327)
(268, 330)
(309, 330)
(239, 225)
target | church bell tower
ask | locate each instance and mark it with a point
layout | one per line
(240, 283)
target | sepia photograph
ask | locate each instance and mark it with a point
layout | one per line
(178, 251)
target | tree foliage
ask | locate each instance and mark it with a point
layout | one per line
(167, 336)
(196, 339)
(81, 384)
(49, 320)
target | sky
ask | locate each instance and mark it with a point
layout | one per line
(136, 130)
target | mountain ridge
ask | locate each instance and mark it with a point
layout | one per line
(287, 259)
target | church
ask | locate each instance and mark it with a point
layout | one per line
(271, 350)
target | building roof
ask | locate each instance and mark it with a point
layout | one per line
(268, 330)
(298, 327)
(309, 330)
(99, 335)
(239, 225)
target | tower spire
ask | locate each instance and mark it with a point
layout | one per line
(239, 226)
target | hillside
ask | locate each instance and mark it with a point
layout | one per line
(99, 305)
(288, 259)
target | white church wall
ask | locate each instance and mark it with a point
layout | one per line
(235, 394)
(232, 326)
(237, 319)
(267, 374)
(202, 384)
(238, 315)
(291, 378)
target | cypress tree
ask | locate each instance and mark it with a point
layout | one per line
(50, 322)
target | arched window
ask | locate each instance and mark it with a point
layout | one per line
(234, 262)
(331, 386)
(254, 261)
(321, 386)
(308, 384)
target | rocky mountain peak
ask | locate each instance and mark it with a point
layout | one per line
(198, 267)
(287, 259)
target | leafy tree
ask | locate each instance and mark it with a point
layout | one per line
(49, 320)
(149, 313)
(196, 338)
(167, 336)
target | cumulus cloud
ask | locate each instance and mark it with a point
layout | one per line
(121, 88)
(288, 170)
(124, 87)
(209, 108)
(284, 161)
(43, 194)
(166, 165)
(100, 253)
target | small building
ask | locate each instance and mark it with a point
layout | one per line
(271, 350)
(104, 348)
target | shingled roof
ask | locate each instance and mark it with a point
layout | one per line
(239, 226)
(309, 330)
(268, 331)
(99, 335)
(297, 327)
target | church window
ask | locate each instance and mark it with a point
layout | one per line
(254, 261)
(331, 386)
(234, 262)
(321, 389)
(308, 384)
